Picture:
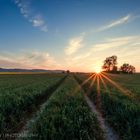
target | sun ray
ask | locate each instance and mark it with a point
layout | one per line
(118, 86)
(98, 92)
(103, 82)
(98, 84)
(98, 89)
(93, 81)
(91, 84)
(83, 83)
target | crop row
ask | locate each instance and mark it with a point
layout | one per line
(122, 112)
(20, 93)
(66, 116)
(131, 82)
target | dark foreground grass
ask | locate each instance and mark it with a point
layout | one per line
(66, 117)
(20, 94)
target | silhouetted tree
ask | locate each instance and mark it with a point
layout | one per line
(68, 71)
(110, 64)
(126, 68)
(115, 68)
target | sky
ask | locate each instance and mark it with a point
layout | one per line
(69, 34)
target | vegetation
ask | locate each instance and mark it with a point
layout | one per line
(121, 109)
(126, 68)
(110, 65)
(66, 116)
(21, 93)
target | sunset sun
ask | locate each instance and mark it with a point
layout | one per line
(97, 70)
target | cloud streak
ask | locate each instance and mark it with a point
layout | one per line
(114, 42)
(31, 60)
(122, 20)
(35, 18)
(123, 47)
(74, 45)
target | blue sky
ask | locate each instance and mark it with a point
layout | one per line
(68, 34)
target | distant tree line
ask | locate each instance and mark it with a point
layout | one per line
(68, 71)
(110, 65)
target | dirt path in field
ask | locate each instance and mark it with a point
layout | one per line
(31, 114)
(110, 134)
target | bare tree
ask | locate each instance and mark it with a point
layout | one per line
(126, 68)
(110, 64)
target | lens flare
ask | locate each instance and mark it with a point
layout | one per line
(97, 70)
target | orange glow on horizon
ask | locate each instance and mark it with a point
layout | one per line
(97, 70)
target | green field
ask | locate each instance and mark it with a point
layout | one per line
(119, 101)
(66, 114)
(20, 93)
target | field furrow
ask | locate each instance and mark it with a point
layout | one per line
(17, 106)
(110, 134)
(119, 110)
(66, 116)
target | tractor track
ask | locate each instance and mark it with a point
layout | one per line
(31, 113)
(109, 132)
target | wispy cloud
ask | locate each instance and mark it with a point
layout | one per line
(30, 59)
(114, 42)
(74, 45)
(35, 18)
(93, 57)
(37, 21)
(122, 20)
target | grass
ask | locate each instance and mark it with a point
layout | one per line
(18, 93)
(121, 110)
(66, 114)
(66, 117)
